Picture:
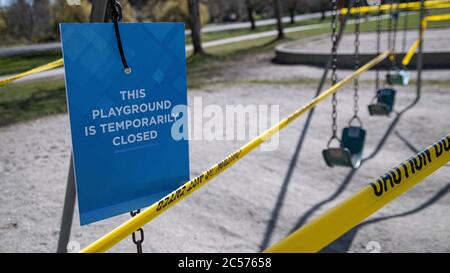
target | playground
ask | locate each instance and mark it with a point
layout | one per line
(265, 196)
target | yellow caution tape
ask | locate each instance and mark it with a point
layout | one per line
(407, 59)
(38, 69)
(128, 227)
(432, 18)
(403, 6)
(439, 17)
(411, 5)
(337, 221)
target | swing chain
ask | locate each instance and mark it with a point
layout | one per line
(391, 18)
(390, 34)
(137, 242)
(377, 74)
(394, 39)
(333, 69)
(357, 62)
(405, 29)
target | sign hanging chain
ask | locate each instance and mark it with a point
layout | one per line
(116, 16)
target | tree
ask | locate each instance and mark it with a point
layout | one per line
(42, 18)
(66, 13)
(2, 25)
(139, 7)
(279, 16)
(324, 5)
(139, 3)
(292, 7)
(71, 13)
(304, 6)
(173, 11)
(250, 4)
(18, 20)
(128, 12)
(194, 20)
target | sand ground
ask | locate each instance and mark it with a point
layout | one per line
(266, 195)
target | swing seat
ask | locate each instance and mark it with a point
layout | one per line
(398, 77)
(337, 157)
(350, 152)
(384, 104)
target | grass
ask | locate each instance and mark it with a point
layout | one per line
(17, 64)
(24, 101)
(239, 32)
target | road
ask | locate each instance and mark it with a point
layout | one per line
(28, 49)
(220, 42)
(266, 22)
(214, 43)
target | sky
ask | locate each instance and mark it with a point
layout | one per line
(4, 3)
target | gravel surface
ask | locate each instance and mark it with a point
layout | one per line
(266, 195)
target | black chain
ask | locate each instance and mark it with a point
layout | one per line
(405, 29)
(356, 81)
(377, 74)
(391, 18)
(138, 242)
(394, 39)
(391, 15)
(334, 19)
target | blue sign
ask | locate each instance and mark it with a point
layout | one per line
(125, 157)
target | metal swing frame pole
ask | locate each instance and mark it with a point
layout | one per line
(98, 14)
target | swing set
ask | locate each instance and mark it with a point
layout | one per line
(349, 148)
(351, 144)
(348, 152)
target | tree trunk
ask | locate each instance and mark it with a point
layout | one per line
(250, 17)
(194, 21)
(341, 5)
(279, 16)
(293, 10)
(323, 8)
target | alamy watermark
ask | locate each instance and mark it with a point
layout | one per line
(230, 122)
(373, 247)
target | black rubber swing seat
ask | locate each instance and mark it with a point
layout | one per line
(398, 77)
(349, 154)
(385, 102)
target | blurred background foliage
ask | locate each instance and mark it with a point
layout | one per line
(36, 21)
